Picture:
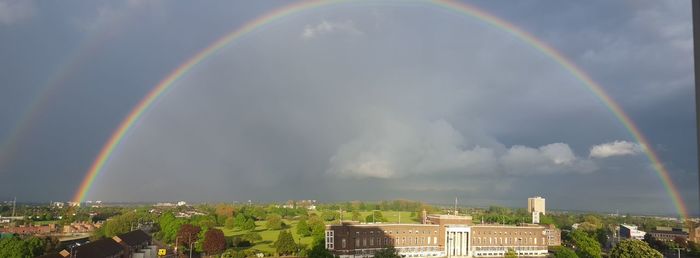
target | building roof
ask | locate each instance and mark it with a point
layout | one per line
(669, 232)
(133, 238)
(52, 255)
(101, 248)
(449, 216)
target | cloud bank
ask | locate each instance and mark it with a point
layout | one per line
(398, 149)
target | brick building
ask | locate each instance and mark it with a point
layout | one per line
(669, 234)
(81, 227)
(30, 230)
(439, 236)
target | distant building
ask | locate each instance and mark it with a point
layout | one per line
(553, 235)
(440, 236)
(535, 217)
(181, 203)
(631, 232)
(30, 230)
(57, 204)
(306, 204)
(536, 204)
(74, 204)
(668, 234)
(81, 227)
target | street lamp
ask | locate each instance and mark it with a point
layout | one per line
(190, 238)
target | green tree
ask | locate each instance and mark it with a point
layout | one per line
(389, 252)
(274, 222)
(303, 228)
(655, 243)
(239, 220)
(18, 247)
(318, 250)
(510, 253)
(285, 244)
(564, 252)
(356, 216)
(214, 241)
(249, 225)
(169, 225)
(633, 248)
(230, 223)
(318, 228)
(330, 215)
(252, 237)
(586, 246)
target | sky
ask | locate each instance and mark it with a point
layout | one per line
(352, 101)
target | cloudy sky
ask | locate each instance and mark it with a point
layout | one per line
(371, 101)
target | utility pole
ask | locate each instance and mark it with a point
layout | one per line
(176, 243)
(190, 238)
(455, 211)
(14, 203)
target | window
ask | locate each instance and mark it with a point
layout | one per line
(343, 243)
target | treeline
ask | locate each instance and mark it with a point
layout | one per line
(395, 205)
(27, 246)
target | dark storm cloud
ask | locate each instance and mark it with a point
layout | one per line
(373, 102)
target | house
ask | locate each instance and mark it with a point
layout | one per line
(103, 248)
(133, 241)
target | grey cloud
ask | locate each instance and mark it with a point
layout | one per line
(13, 11)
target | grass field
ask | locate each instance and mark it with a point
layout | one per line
(46, 222)
(268, 236)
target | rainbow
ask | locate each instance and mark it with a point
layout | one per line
(461, 8)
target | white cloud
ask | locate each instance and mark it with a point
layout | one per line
(401, 149)
(326, 27)
(12, 11)
(616, 148)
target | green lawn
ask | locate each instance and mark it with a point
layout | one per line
(268, 236)
(46, 222)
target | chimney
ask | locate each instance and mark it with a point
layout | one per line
(424, 217)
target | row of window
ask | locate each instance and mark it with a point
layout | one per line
(506, 240)
(501, 254)
(397, 232)
(519, 233)
(505, 248)
(363, 242)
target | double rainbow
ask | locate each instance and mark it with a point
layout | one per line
(461, 8)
